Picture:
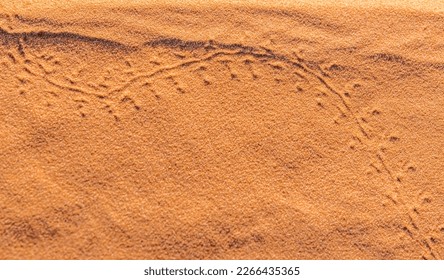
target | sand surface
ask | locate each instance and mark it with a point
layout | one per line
(224, 130)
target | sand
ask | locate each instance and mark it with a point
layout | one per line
(221, 130)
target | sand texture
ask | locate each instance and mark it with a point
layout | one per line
(163, 130)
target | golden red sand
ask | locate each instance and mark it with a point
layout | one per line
(167, 130)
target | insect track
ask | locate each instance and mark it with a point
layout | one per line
(29, 63)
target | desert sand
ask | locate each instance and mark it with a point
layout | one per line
(221, 129)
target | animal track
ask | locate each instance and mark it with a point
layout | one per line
(200, 59)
